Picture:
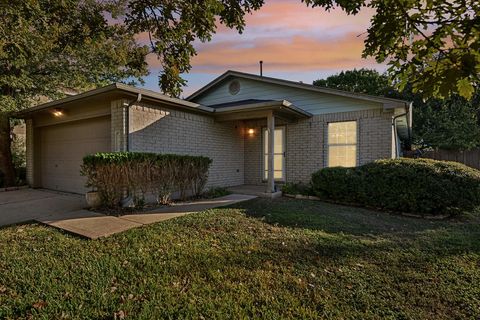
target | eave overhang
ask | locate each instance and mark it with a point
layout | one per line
(116, 90)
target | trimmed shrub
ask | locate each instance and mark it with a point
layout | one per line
(116, 174)
(297, 188)
(420, 186)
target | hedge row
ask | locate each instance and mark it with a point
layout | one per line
(117, 174)
(419, 186)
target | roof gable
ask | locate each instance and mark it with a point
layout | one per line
(387, 103)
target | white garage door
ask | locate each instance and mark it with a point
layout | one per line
(62, 148)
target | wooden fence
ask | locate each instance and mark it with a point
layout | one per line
(471, 157)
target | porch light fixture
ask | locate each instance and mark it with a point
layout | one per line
(57, 112)
(251, 131)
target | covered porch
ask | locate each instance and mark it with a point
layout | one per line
(264, 129)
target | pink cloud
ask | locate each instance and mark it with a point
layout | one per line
(289, 37)
(275, 15)
(298, 53)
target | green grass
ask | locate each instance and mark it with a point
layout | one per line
(259, 259)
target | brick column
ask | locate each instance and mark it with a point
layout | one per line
(119, 125)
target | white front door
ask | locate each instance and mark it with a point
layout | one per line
(278, 154)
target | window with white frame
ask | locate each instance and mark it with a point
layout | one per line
(342, 144)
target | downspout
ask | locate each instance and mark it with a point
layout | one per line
(394, 125)
(127, 120)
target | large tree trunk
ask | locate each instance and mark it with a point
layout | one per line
(6, 165)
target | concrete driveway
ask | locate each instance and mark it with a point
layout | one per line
(32, 204)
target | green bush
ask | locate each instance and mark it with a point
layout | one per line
(119, 173)
(215, 192)
(297, 188)
(420, 186)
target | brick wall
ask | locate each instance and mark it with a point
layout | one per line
(119, 124)
(306, 143)
(237, 157)
(162, 130)
(253, 152)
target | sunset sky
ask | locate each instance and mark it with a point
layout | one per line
(295, 42)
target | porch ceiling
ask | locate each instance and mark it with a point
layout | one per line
(255, 109)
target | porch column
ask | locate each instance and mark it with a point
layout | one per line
(271, 145)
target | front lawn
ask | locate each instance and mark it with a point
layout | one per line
(259, 259)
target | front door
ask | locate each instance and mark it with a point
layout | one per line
(278, 154)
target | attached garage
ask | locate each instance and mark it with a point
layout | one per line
(61, 132)
(59, 150)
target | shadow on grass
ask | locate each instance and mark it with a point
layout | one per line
(329, 256)
(445, 236)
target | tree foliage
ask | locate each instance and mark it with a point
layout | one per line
(172, 27)
(47, 45)
(366, 81)
(451, 123)
(432, 45)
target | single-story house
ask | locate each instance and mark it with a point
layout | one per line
(257, 130)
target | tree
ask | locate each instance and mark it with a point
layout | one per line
(172, 27)
(47, 45)
(366, 81)
(432, 45)
(451, 123)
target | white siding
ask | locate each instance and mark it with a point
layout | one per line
(314, 102)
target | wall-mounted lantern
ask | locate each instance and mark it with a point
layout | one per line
(58, 112)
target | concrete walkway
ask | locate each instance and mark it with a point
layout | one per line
(66, 211)
(95, 225)
(88, 224)
(183, 208)
(25, 205)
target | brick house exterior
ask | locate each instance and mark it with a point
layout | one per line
(227, 123)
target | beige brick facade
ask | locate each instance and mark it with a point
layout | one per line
(306, 143)
(119, 116)
(253, 152)
(163, 124)
(163, 130)
(237, 157)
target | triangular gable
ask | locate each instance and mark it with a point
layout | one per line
(199, 95)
